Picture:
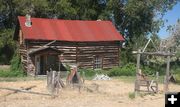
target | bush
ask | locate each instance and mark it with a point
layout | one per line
(16, 62)
(8, 73)
(127, 70)
(87, 72)
(148, 71)
(15, 68)
(132, 95)
(177, 74)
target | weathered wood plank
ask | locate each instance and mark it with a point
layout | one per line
(25, 91)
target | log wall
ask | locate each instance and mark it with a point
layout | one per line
(23, 54)
(82, 53)
(26, 60)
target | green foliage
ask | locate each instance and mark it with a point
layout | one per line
(15, 68)
(9, 73)
(16, 62)
(178, 53)
(176, 72)
(7, 45)
(127, 70)
(177, 76)
(148, 71)
(132, 95)
(87, 72)
(125, 14)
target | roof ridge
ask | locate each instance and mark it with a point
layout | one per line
(64, 19)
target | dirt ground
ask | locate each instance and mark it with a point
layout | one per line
(113, 93)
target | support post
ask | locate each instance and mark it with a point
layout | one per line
(166, 82)
(53, 81)
(137, 68)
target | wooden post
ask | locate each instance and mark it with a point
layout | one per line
(166, 82)
(53, 81)
(48, 78)
(137, 69)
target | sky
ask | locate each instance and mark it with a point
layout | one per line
(172, 16)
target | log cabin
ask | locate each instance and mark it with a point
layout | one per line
(47, 43)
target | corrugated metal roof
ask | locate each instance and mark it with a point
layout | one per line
(69, 30)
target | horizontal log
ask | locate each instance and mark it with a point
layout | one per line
(85, 55)
(69, 58)
(111, 61)
(25, 91)
(62, 49)
(82, 44)
(110, 58)
(107, 67)
(98, 51)
(86, 66)
(59, 47)
(69, 61)
(69, 52)
(110, 65)
(85, 60)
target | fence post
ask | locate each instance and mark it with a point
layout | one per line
(166, 82)
(137, 69)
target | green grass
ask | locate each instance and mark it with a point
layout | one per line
(132, 95)
(14, 79)
(9, 73)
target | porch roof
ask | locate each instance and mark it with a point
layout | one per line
(45, 50)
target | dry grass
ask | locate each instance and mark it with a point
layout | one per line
(4, 67)
(113, 93)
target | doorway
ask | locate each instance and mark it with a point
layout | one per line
(45, 63)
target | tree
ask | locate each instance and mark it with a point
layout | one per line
(176, 34)
(135, 19)
(7, 46)
(174, 40)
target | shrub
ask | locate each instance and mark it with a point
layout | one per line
(148, 71)
(132, 95)
(177, 74)
(15, 68)
(127, 70)
(87, 72)
(16, 62)
(8, 73)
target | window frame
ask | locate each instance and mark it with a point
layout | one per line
(98, 62)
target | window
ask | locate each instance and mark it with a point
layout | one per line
(97, 62)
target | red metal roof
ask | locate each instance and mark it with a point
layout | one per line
(69, 30)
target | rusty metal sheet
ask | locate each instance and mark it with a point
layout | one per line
(69, 30)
